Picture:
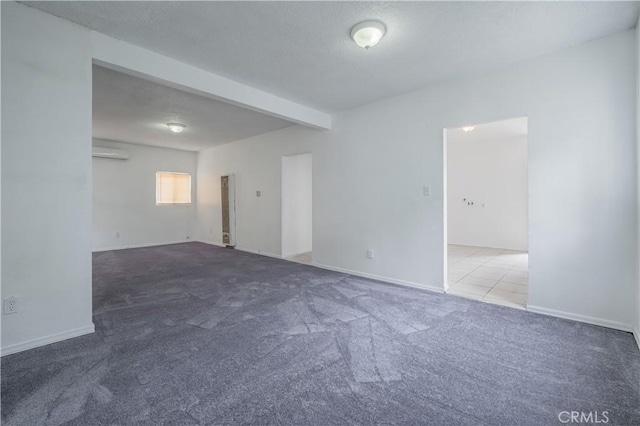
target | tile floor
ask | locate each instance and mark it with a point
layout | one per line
(305, 258)
(488, 274)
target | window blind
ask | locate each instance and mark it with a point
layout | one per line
(173, 188)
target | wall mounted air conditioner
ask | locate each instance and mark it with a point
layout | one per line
(111, 153)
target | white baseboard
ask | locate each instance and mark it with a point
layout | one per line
(52, 338)
(245, 249)
(346, 271)
(525, 248)
(130, 246)
(581, 318)
(295, 254)
(211, 243)
(381, 278)
(263, 253)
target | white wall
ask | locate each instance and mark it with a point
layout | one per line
(493, 175)
(0, 189)
(637, 321)
(369, 172)
(257, 168)
(297, 189)
(46, 173)
(124, 198)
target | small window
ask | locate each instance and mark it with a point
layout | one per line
(173, 188)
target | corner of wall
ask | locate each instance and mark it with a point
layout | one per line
(637, 301)
(51, 117)
(47, 340)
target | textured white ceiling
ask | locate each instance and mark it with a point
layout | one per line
(130, 109)
(490, 131)
(302, 50)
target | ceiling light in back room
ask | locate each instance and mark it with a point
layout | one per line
(468, 128)
(176, 127)
(367, 34)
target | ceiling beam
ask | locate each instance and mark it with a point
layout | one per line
(133, 60)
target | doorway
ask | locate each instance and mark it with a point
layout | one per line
(297, 191)
(486, 212)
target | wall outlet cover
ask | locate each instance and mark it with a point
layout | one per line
(9, 305)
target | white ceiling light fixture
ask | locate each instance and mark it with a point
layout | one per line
(176, 127)
(367, 34)
(468, 128)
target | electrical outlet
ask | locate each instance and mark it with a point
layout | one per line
(117, 235)
(9, 305)
(370, 254)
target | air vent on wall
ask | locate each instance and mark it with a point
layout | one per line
(110, 153)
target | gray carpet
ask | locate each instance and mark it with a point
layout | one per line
(195, 334)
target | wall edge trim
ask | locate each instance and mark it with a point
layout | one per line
(211, 243)
(131, 246)
(404, 283)
(580, 318)
(259, 252)
(47, 340)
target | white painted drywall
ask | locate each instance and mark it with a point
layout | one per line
(134, 60)
(637, 321)
(491, 174)
(0, 193)
(46, 173)
(257, 167)
(125, 213)
(369, 173)
(297, 204)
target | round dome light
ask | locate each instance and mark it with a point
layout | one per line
(176, 127)
(368, 34)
